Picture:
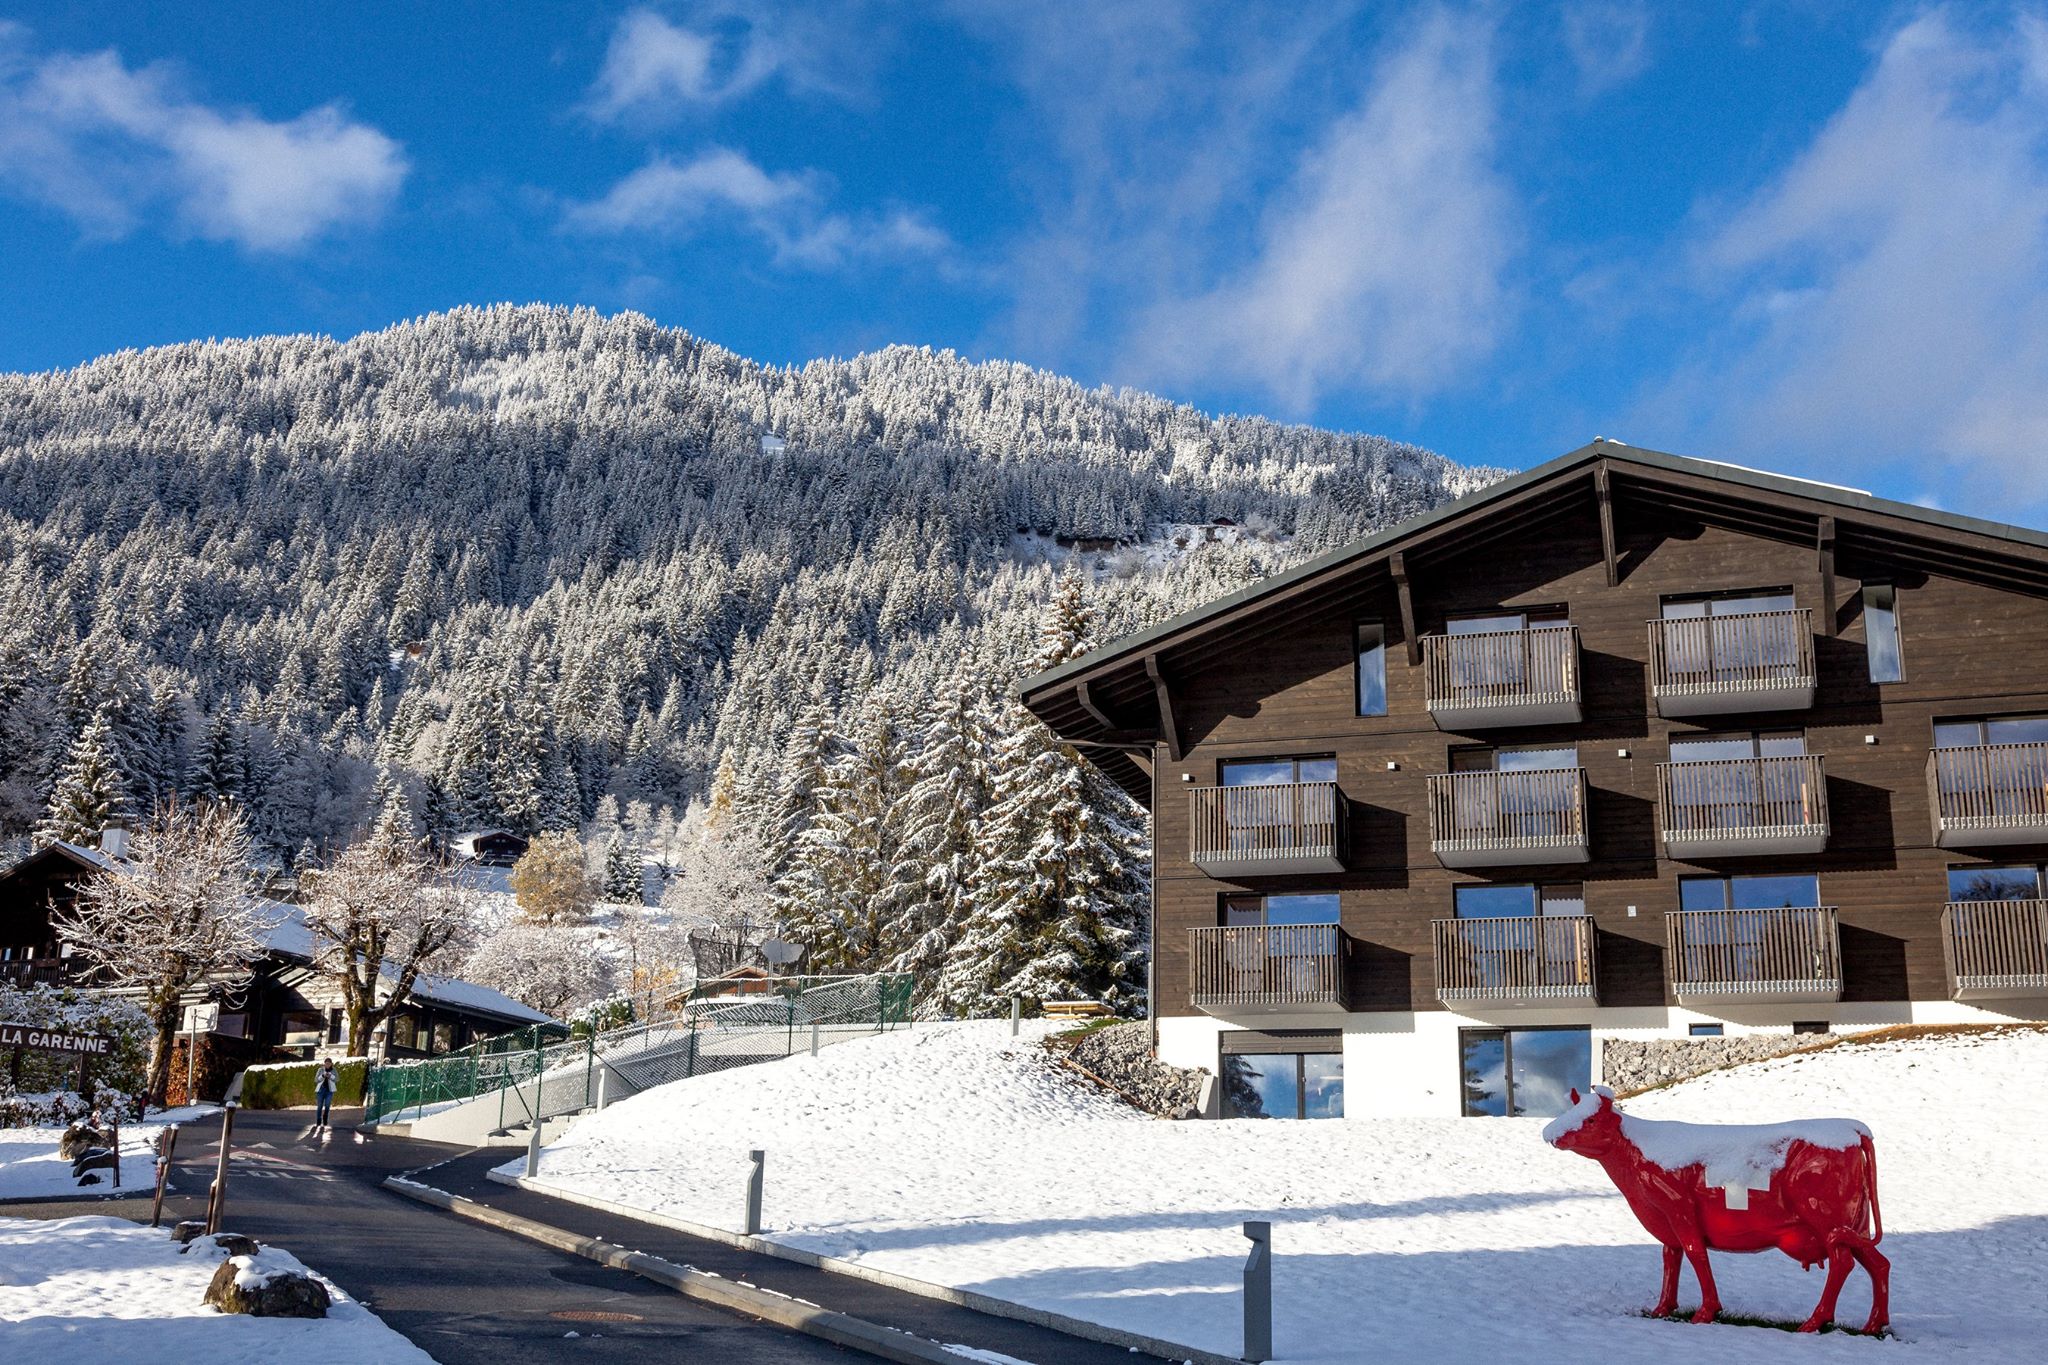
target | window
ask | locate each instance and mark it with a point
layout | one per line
(1372, 669)
(1492, 900)
(1285, 1074)
(1810, 1026)
(1295, 951)
(1881, 632)
(1280, 819)
(1976, 731)
(1266, 772)
(1739, 795)
(1747, 602)
(444, 1035)
(2021, 883)
(1532, 1071)
(1512, 618)
(1298, 907)
(1704, 1031)
(1707, 748)
(405, 1032)
(1532, 807)
(1724, 647)
(1766, 891)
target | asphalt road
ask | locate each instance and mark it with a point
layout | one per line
(465, 1294)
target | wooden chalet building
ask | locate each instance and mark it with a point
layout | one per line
(283, 1009)
(1627, 746)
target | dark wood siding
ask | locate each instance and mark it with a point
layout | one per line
(1969, 649)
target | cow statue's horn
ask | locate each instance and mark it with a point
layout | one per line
(1575, 1095)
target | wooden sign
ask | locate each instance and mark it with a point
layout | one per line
(31, 1038)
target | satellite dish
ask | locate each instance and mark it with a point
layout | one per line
(780, 953)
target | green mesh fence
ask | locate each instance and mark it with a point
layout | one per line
(484, 1066)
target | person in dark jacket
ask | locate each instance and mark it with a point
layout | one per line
(323, 1091)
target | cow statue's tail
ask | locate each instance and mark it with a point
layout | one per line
(1870, 1188)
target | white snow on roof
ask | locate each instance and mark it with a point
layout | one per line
(1775, 474)
(290, 936)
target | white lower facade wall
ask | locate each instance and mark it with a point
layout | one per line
(1400, 1064)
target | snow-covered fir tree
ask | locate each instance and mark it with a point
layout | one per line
(90, 791)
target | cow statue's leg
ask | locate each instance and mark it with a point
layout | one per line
(1879, 1269)
(1667, 1298)
(1840, 1258)
(1710, 1297)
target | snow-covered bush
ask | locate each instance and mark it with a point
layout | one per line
(550, 968)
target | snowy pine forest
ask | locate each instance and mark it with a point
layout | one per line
(543, 569)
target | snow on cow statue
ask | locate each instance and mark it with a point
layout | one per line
(1809, 1189)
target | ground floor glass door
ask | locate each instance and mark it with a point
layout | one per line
(1524, 1071)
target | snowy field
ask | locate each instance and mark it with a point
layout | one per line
(952, 1154)
(31, 1169)
(106, 1290)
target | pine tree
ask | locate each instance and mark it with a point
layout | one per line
(845, 889)
(623, 874)
(945, 802)
(89, 791)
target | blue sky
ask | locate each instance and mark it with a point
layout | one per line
(1805, 236)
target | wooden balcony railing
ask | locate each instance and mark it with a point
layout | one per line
(1253, 831)
(1756, 661)
(1788, 953)
(1737, 807)
(1996, 948)
(1988, 794)
(1503, 677)
(1491, 819)
(1524, 960)
(35, 971)
(1268, 969)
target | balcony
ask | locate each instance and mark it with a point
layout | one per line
(1784, 955)
(1502, 677)
(1268, 969)
(1713, 665)
(1522, 960)
(34, 971)
(1263, 831)
(1989, 794)
(1505, 819)
(1996, 949)
(1743, 807)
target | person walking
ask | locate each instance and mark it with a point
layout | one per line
(323, 1091)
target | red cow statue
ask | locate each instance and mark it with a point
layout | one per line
(1809, 1189)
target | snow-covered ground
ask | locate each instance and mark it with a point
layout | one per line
(104, 1290)
(952, 1154)
(31, 1169)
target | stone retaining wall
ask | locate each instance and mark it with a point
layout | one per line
(1122, 1055)
(1631, 1063)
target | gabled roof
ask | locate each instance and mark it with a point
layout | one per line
(1113, 700)
(87, 859)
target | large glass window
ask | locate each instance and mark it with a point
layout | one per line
(1265, 772)
(1736, 795)
(1493, 900)
(2021, 883)
(1283, 1085)
(1881, 632)
(1281, 819)
(1761, 892)
(1730, 941)
(1372, 669)
(1963, 734)
(1297, 907)
(1295, 951)
(1526, 809)
(1527, 1071)
(1737, 648)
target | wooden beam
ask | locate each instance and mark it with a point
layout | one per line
(1827, 576)
(1397, 565)
(1604, 491)
(1169, 728)
(1113, 734)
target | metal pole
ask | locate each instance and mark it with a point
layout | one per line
(814, 1037)
(217, 1201)
(533, 1150)
(1258, 1293)
(759, 1158)
(1016, 1013)
(166, 1143)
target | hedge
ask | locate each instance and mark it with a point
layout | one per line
(289, 1085)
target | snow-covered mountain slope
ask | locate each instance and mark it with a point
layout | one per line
(954, 1154)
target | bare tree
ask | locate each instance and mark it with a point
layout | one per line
(381, 914)
(550, 969)
(179, 910)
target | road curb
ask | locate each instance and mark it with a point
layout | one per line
(838, 1328)
(963, 1298)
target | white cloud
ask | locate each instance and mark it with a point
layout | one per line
(1380, 263)
(108, 145)
(1608, 41)
(652, 66)
(787, 211)
(1888, 292)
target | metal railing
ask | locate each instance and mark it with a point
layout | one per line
(477, 1069)
(1996, 947)
(1526, 811)
(1741, 799)
(1282, 821)
(1781, 953)
(1510, 669)
(1267, 967)
(1521, 959)
(1760, 651)
(1989, 787)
